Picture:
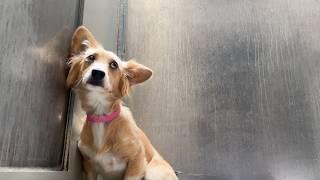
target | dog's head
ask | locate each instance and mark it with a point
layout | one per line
(92, 68)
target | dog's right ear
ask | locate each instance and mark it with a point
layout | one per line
(74, 73)
(81, 40)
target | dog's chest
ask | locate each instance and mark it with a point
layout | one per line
(109, 164)
(106, 163)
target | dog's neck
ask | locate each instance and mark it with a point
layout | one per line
(107, 108)
(98, 103)
(99, 129)
(105, 118)
(102, 109)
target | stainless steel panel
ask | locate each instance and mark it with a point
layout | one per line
(34, 38)
(235, 92)
(101, 17)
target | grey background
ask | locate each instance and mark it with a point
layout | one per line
(235, 92)
(34, 41)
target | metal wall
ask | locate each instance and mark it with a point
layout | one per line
(101, 17)
(235, 92)
(34, 41)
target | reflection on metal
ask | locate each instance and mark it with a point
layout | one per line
(34, 38)
(236, 89)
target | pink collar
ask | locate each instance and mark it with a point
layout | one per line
(104, 118)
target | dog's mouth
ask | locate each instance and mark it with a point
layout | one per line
(95, 82)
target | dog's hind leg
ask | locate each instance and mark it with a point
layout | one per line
(136, 168)
(159, 169)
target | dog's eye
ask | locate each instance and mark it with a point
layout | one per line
(113, 65)
(91, 58)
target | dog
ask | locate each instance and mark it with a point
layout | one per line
(111, 143)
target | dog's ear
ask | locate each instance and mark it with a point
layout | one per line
(74, 72)
(137, 73)
(81, 40)
(124, 85)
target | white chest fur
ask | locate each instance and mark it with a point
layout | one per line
(105, 163)
(98, 131)
(108, 163)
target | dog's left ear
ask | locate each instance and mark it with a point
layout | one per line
(137, 73)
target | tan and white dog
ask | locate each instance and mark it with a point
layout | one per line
(111, 143)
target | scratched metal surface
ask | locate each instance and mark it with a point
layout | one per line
(235, 92)
(34, 38)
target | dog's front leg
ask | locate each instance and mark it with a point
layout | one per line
(136, 168)
(90, 173)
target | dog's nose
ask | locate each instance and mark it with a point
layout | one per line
(97, 75)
